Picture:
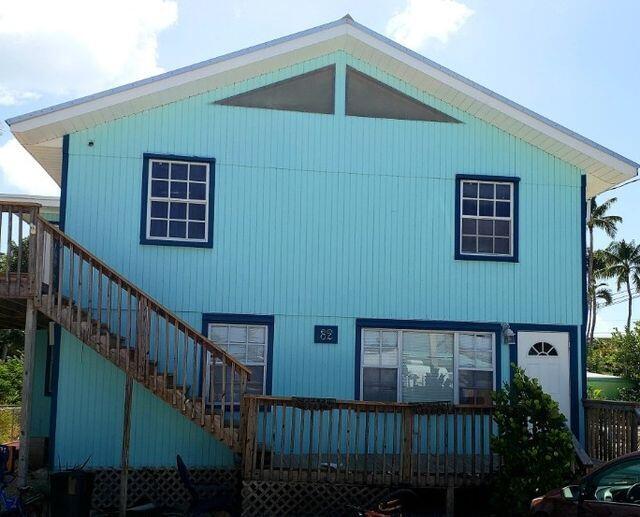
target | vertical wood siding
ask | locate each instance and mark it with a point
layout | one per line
(319, 219)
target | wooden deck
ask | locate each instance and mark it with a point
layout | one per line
(330, 441)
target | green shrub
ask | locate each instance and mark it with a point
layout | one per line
(533, 442)
(10, 380)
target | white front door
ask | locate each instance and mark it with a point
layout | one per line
(545, 356)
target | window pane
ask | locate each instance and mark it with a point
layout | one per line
(485, 245)
(469, 244)
(371, 337)
(502, 228)
(371, 356)
(196, 230)
(159, 209)
(255, 354)
(159, 188)
(178, 211)
(158, 228)
(486, 208)
(197, 212)
(388, 357)
(469, 226)
(469, 189)
(238, 351)
(197, 191)
(257, 335)
(179, 189)
(502, 246)
(426, 378)
(469, 207)
(389, 338)
(237, 334)
(485, 227)
(379, 384)
(177, 229)
(197, 172)
(178, 171)
(475, 379)
(159, 170)
(218, 333)
(486, 190)
(503, 191)
(256, 382)
(503, 209)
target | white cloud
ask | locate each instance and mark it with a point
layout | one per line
(75, 47)
(12, 97)
(22, 173)
(422, 20)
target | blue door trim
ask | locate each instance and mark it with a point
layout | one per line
(361, 323)
(574, 384)
(243, 319)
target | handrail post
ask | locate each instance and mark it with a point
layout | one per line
(249, 426)
(34, 263)
(407, 442)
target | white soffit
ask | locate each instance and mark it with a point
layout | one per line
(41, 131)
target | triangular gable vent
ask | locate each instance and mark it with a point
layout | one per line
(368, 97)
(311, 92)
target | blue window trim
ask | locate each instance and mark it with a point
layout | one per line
(495, 328)
(493, 258)
(585, 308)
(574, 378)
(145, 199)
(243, 319)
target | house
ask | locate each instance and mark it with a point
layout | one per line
(323, 234)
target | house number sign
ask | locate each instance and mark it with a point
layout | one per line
(325, 334)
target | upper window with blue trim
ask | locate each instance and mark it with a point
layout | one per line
(177, 201)
(487, 218)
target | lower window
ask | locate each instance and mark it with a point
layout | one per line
(401, 365)
(248, 344)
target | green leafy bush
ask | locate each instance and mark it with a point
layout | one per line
(10, 380)
(533, 442)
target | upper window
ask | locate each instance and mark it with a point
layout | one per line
(427, 366)
(177, 201)
(487, 218)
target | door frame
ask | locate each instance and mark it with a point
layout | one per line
(574, 368)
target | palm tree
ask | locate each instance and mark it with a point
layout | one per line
(599, 288)
(603, 294)
(623, 263)
(598, 218)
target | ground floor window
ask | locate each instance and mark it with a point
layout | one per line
(248, 344)
(399, 365)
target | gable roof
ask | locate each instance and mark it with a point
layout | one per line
(41, 131)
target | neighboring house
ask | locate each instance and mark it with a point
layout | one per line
(343, 216)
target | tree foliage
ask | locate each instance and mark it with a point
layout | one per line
(11, 380)
(11, 343)
(10, 260)
(534, 443)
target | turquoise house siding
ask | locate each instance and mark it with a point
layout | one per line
(319, 219)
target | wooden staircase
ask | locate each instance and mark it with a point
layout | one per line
(108, 313)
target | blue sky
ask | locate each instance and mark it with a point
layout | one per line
(573, 61)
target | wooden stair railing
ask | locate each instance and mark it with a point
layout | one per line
(145, 339)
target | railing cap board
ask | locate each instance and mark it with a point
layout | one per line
(21, 204)
(610, 404)
(157, 306)
(328, 403)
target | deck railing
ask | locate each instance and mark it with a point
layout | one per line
(366, 442)
(15, 260)
(103, 309)
(611, 427)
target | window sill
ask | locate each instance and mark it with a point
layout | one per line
(486, 258)
(181, 244)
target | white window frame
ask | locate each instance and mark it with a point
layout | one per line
(456, 341)
(478, 217)
(264, 364)
(187, 201)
